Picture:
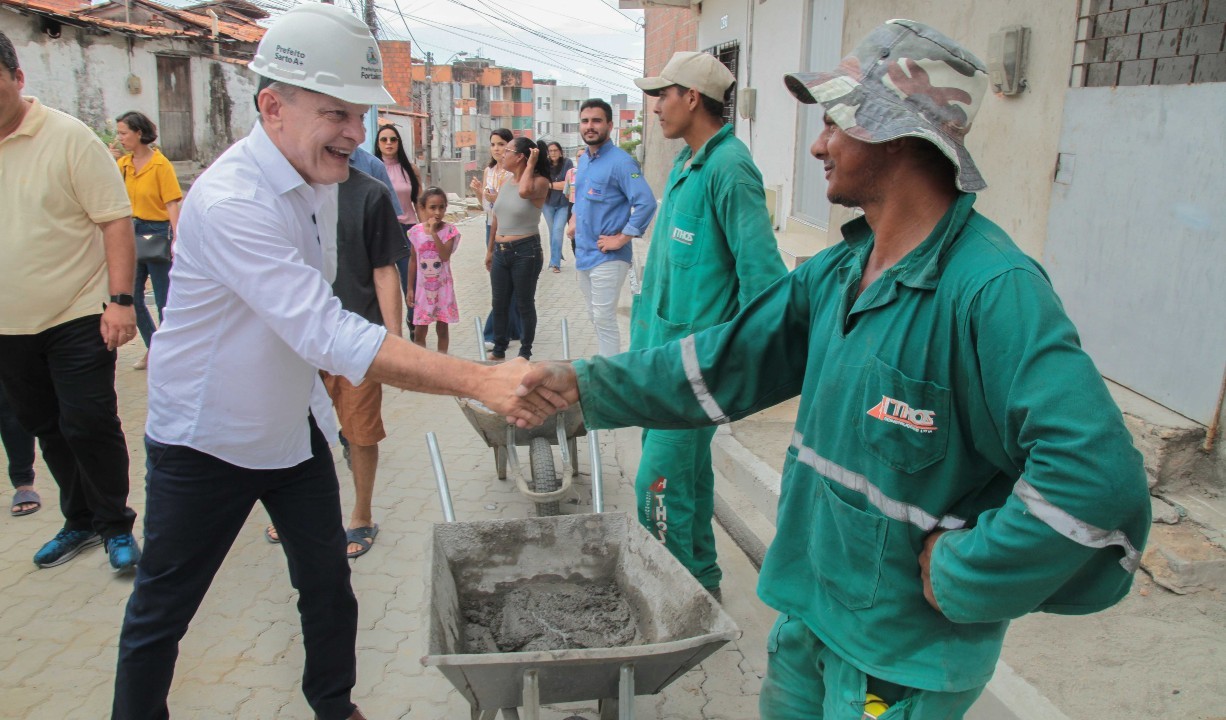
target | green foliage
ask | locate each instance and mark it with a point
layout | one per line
(106, 135)
(630, 145)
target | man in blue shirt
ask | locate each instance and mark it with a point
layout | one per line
(613, 205)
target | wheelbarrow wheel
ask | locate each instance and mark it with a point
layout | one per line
(500, 462)
(544, 477)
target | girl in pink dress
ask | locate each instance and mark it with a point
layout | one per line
(432, 242)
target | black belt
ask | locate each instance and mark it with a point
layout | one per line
(516, 243)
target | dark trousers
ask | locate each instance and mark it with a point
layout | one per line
(195, 506)
(61, 384)
(158, 272)
(516, 269)
(515, 328)
(18, 445)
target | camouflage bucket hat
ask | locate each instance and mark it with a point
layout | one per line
(904, 80)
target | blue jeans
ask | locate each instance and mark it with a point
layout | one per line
(556, 217)
(18, 445)
(517, 267)
(159, 272)
(196, 506)
(515, 327)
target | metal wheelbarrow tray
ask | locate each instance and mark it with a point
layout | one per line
(678, 623)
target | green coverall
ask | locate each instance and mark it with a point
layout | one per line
(712, 251)
(951, 394)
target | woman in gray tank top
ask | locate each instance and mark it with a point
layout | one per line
(514, 256)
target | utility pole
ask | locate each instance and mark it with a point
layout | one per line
(372, 114)
(430, 116)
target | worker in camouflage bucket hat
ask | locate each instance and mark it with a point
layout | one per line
(904, 80)
(956, 461)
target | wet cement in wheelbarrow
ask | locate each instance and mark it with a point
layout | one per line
(549, 615)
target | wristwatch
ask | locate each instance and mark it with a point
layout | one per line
(123, 299)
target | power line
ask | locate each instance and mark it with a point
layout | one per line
(473, 35)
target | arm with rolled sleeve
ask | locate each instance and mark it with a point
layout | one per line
(246, 251)
(1069, 538)
(629, 178)
(720, 374)
(740, 209)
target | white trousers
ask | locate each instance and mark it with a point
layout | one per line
(602, 286)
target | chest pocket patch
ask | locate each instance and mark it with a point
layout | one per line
(686, 238)
(902, 422)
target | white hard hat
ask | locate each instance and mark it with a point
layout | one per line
(323, 48)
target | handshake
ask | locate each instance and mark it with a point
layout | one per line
(528, 393)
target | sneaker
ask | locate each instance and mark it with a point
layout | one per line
(65, 546)
(141, 364)
(123, 551)
(489, 345)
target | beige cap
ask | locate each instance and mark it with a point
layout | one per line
(696, 70)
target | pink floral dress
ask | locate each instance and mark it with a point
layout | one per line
(435, 297)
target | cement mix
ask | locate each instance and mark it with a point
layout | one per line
(549, 615)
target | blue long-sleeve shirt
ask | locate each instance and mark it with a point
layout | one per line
(374, 167)
(611, 197)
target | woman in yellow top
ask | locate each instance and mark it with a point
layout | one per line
(154, 191)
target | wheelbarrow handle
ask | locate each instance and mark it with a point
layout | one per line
(440, 475)
(593, 445)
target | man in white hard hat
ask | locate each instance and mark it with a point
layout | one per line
(250, 321)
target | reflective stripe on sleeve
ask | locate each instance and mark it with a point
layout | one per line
(891, 508)
(1079, 531)
(693, 373)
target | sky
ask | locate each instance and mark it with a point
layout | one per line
(576, 42)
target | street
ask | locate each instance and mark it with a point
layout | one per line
(243, 657)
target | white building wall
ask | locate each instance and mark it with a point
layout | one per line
(562, 115)
(86, 75)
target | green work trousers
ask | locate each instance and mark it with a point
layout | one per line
(675, 489)
(805, 680)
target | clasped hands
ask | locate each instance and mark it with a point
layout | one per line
(529, 393)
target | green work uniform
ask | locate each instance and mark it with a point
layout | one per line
(712, 251)
(951, 394)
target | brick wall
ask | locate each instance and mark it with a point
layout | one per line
(666, 31)
(398, 71)
(1150, 42)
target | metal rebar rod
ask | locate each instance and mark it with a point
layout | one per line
(625, 693)
(440, 475)
(593, 452)
(565, 340)
(532, 696)
(480, 339)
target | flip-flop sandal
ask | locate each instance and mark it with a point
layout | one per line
(268, 535)
(557, 269)
(364, 536)
(26, 497)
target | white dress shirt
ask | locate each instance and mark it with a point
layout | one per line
(251, 316)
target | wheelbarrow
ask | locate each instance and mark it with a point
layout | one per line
(678, 624)
(544, 486)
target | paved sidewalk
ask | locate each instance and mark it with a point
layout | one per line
(243, 656)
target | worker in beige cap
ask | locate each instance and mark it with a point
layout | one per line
(712, 252)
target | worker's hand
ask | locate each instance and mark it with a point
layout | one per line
(118, 325)
(502, 394)
(489, 260)
(609, 243)
(556, 382)
(925, 561)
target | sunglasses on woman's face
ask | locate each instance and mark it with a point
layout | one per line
(388, 139)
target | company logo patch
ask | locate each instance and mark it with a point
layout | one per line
(683, 236)
(655, 507)
(898, 412)
(372, 57)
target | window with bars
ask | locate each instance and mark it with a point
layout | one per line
(729, 54)
(1149, 42)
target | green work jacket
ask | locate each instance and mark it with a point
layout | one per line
(951, 394)
(713, 249)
